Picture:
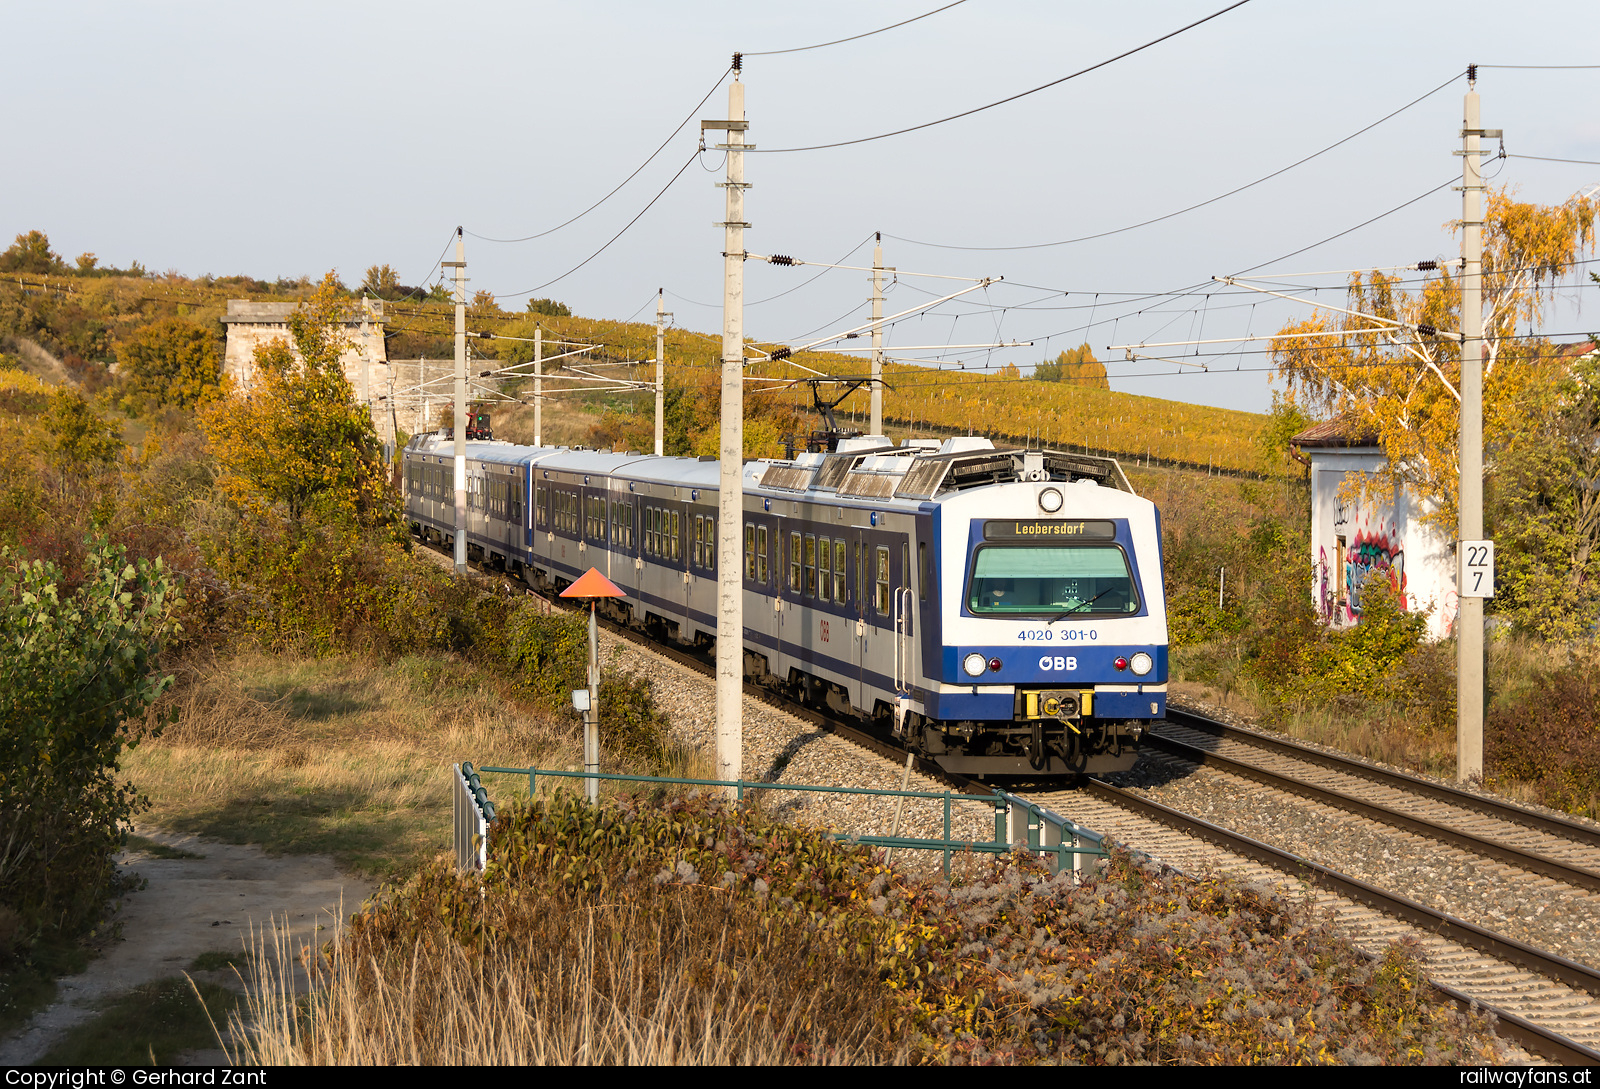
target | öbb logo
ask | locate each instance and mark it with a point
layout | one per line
(1048, 663)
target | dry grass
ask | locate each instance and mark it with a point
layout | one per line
(1382, 731)
(565, 422)
(595, 986)
(347, 757)
(1376, 731)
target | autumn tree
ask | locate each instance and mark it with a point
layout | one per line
(1397, 371)
(1544, 503)
(296, 438)
(31, 252)
(549, 308)
(1078, 366)
(173, 361)
(382, 281)
(81, 442)
(1393, 366)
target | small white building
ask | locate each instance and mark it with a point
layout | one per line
(1362, 530)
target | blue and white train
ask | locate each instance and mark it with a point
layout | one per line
(1001, 610)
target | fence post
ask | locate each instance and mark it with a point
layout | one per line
(471, 813)
(947, 834)
(1050, 841)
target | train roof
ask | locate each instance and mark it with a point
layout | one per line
(868, 470)
(920, 471)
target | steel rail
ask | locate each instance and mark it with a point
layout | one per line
(1526, 860)
(1543, 822)
(1557, 968)
(1511, 1026)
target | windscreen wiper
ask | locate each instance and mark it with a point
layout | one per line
(1082, 605)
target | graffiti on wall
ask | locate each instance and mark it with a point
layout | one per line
(1373, 555)
(1368, 546)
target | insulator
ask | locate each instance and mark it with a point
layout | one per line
(1427, 266)
(738, 61)
(780, 259)
(1427, 330)
(1472, 70)
(782, 353)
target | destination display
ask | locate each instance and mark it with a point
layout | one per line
(1034, 529)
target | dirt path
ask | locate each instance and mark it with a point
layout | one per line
(192, 906)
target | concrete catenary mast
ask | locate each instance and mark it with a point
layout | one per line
(730, 497)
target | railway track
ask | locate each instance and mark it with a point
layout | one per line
(1546, 1003)
(1543, 843)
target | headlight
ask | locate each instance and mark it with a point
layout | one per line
(974, 664)
(1050, 500)
(1142, 663)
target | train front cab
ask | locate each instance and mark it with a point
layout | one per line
(1054, 654)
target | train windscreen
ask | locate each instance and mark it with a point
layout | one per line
(1051, 580)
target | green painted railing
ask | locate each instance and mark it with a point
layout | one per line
(1018, 823)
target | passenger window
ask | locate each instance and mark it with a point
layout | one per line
(824, 568)
(677, 549)
(749, 551)
(761, 555)
(838, 573)
(811, 565)
(794, 562)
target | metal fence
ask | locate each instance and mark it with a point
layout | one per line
(472, 812)
(1018, 823)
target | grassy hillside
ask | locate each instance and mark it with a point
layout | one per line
(78, 320)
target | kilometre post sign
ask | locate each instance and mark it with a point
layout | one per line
(1477, 569)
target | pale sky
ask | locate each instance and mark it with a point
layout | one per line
(287, 139)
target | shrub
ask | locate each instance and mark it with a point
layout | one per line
(75, 668)
(758, 921)
(173, 361)
(1551, 739)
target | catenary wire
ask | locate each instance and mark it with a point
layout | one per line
(1011, 98)
(613, 238)
(781, 294)
(854, 37)
(1295, 253)
(1192, 207)
(429, 275)
(625, 181)
(1547, 159)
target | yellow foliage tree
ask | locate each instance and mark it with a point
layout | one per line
(173, 361)
(1078, 366)
(297, 438)
(1399, 376)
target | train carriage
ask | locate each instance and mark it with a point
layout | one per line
(1002, 610)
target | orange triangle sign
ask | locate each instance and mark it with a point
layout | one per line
(593, 584)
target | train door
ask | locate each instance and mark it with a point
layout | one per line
(864, 568)
(904, 609)
(790, 555)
